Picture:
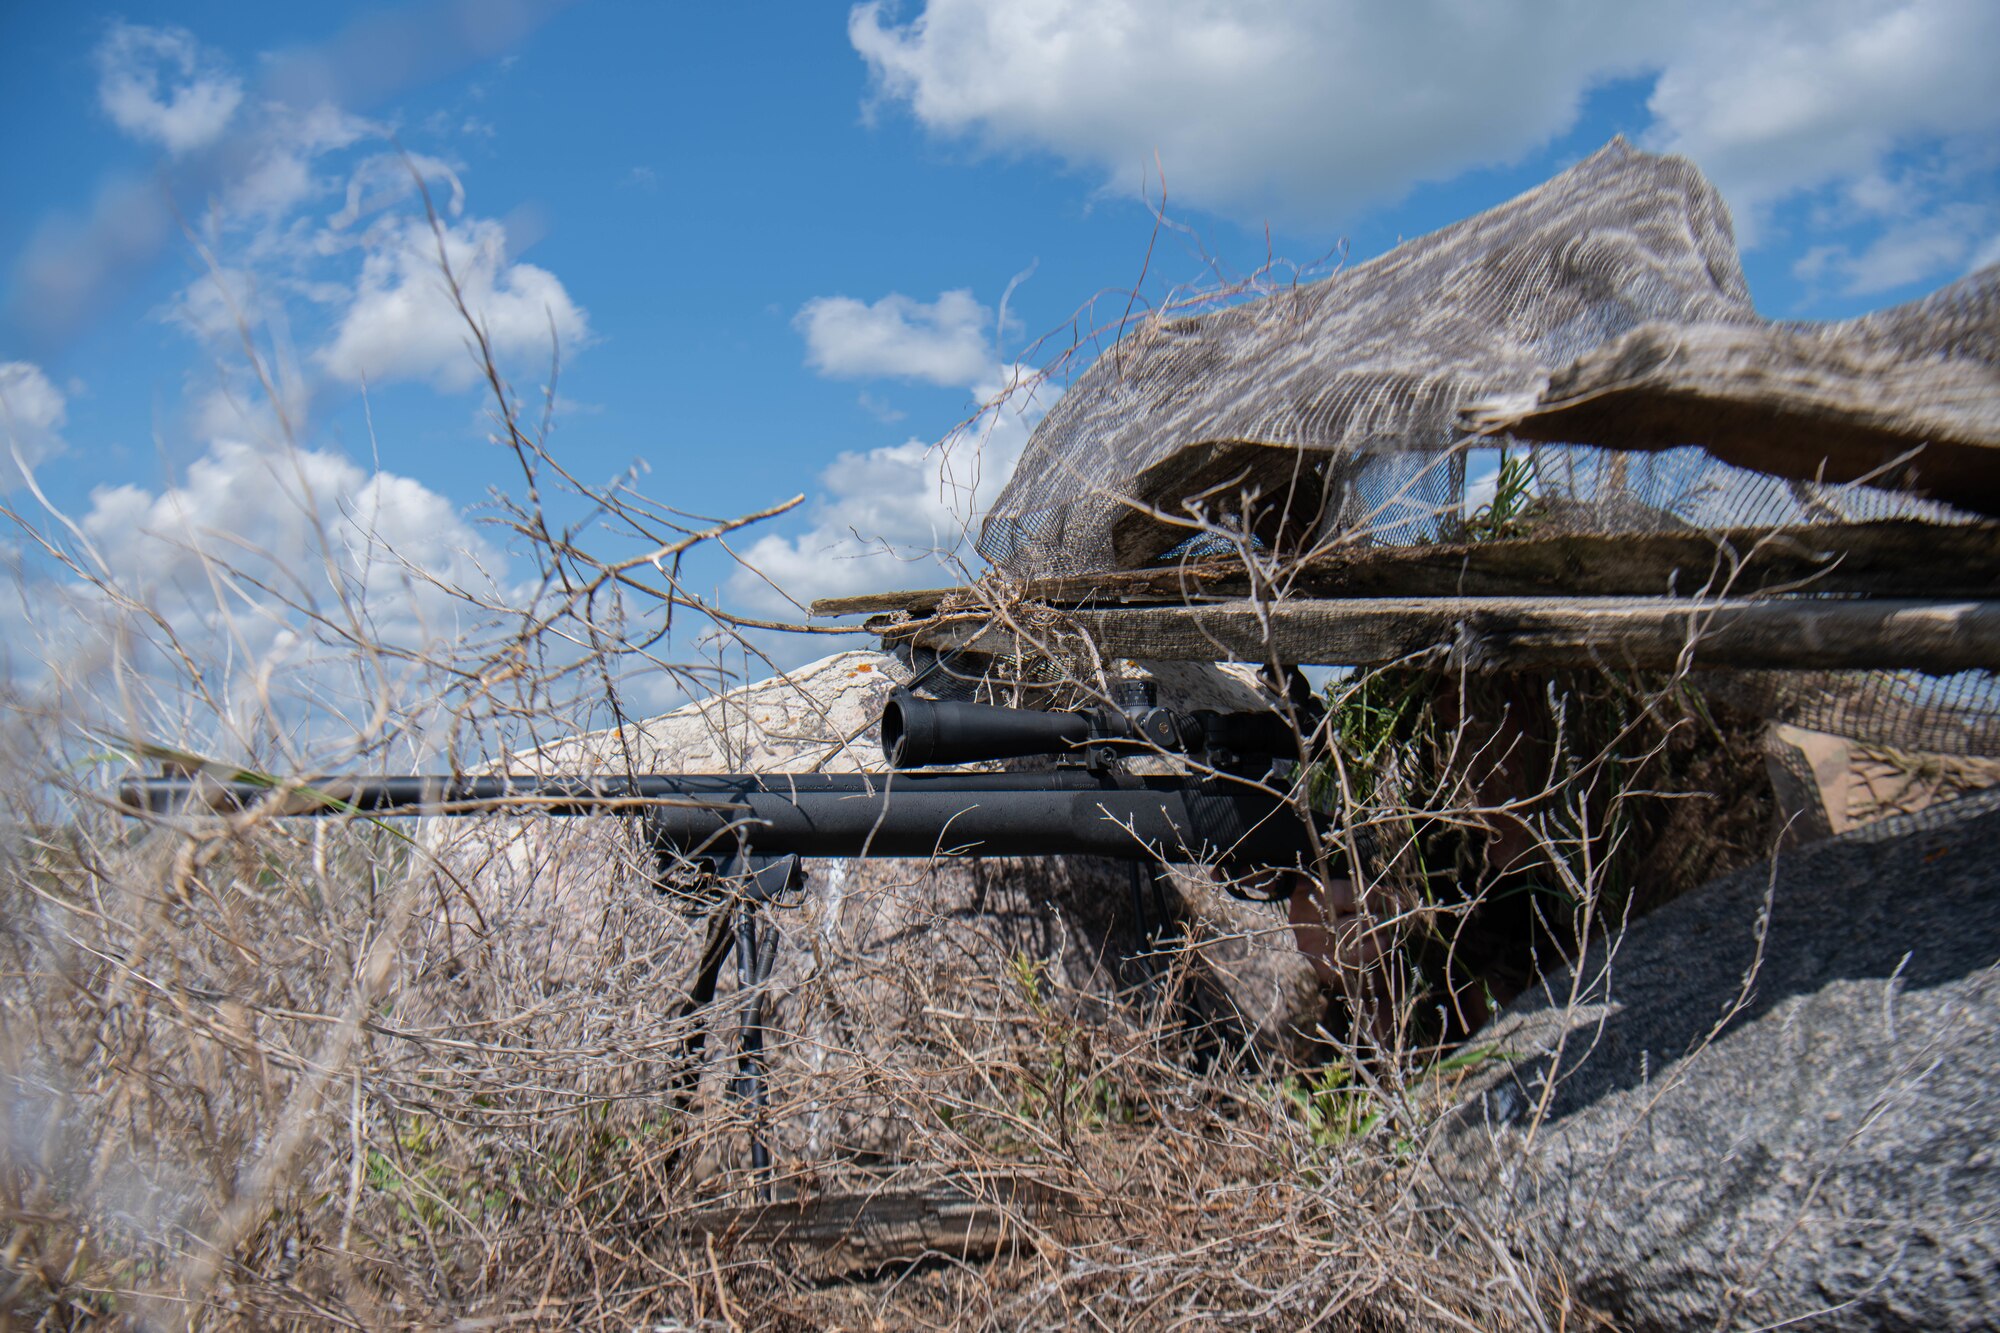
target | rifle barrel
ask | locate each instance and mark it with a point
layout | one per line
(1065, 812)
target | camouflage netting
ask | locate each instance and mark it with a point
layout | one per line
(1342, 413)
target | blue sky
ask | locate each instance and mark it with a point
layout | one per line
(775, 240)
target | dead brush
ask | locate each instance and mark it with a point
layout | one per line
(270, 1073)
(457, 1139)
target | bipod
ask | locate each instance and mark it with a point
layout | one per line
(737, 924)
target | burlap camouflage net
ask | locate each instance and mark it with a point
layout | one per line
(1354, 410)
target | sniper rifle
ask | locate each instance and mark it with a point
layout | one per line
(749, 831)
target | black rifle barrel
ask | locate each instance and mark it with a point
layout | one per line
(1067, 812)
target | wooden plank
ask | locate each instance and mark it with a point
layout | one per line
(1805, 403)
(1525, 633)
(837, 1235)
(1889, 559)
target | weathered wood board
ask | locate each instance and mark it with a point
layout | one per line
(1891, 559)
(841, 1234)
(1803, 633)
(1802, 402)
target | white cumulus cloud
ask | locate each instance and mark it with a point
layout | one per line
(158, 84)
(1904, 252)
(893, 515)
(1775, 98)
(276, 575)
(1314, 109)
(305, 522)
(32, 411)
(274, 164)
(1304, 106)
(387, 179)
(402, 324)
(946, 341)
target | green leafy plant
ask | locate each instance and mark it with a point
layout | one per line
(1335, 1107)
(1516, 503)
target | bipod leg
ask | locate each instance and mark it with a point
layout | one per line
(1160, 877)
(1142, 916)
(715, 949)
(756, 950)
(1168, 1006)
(1153, 921)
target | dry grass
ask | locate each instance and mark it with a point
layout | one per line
(223, 1106)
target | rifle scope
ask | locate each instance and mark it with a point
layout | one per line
(919, 732)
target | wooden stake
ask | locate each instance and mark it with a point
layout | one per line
(1509, 633)
(1887, 559)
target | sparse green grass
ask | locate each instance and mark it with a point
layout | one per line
(1516, 502)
